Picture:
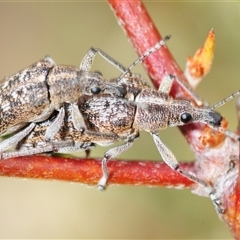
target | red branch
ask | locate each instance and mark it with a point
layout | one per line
(89, 171)
(141, 31)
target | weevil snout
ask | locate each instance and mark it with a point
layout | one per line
(216, 118)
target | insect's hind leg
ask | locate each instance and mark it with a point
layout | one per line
(54, 146)
(171, 161)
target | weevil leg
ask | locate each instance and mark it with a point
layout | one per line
(27, 152)
(108, 155)
(103, 138)
(88, 59)
(77, 118)
(48, 147)
(49, 59)
(87, 153)
(55, 126)
(85, 146)
(9, 142)
(198, 100)
(58, 147)
(171, 161)
(166, 84)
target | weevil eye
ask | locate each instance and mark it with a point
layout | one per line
(186, 117)
(95, 90)
(122, 91)
(217, 118)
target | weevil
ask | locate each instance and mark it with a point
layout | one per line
(108, 119)
(162, 111)
(33, 94)
(68, 139)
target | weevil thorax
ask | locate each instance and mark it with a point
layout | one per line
(154, 117)
(64, 86)
(133, 83)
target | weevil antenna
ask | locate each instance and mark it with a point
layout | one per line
(225, 100)
(146, 54)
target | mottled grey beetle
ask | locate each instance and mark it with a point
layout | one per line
(107, 119)
(32, 95)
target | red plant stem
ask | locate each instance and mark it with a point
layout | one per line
(141, 31)
(89, 171)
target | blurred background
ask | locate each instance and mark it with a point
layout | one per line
(65, 31)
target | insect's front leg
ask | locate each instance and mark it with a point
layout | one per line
(113, 153)
(171, 161)
(166, 86)
(88, 59)
(9, 142)
(55, 125)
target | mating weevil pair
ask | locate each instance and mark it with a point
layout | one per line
(32, 95)
(105, 119)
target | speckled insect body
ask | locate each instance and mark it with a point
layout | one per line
(118, 114)
(69, 138)
(32, 95)
(108, 119)
(154, 111)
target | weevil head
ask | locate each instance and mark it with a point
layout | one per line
(184, 112)
(181, 113)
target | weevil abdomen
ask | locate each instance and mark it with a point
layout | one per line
(108, 115)
(24, 96)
